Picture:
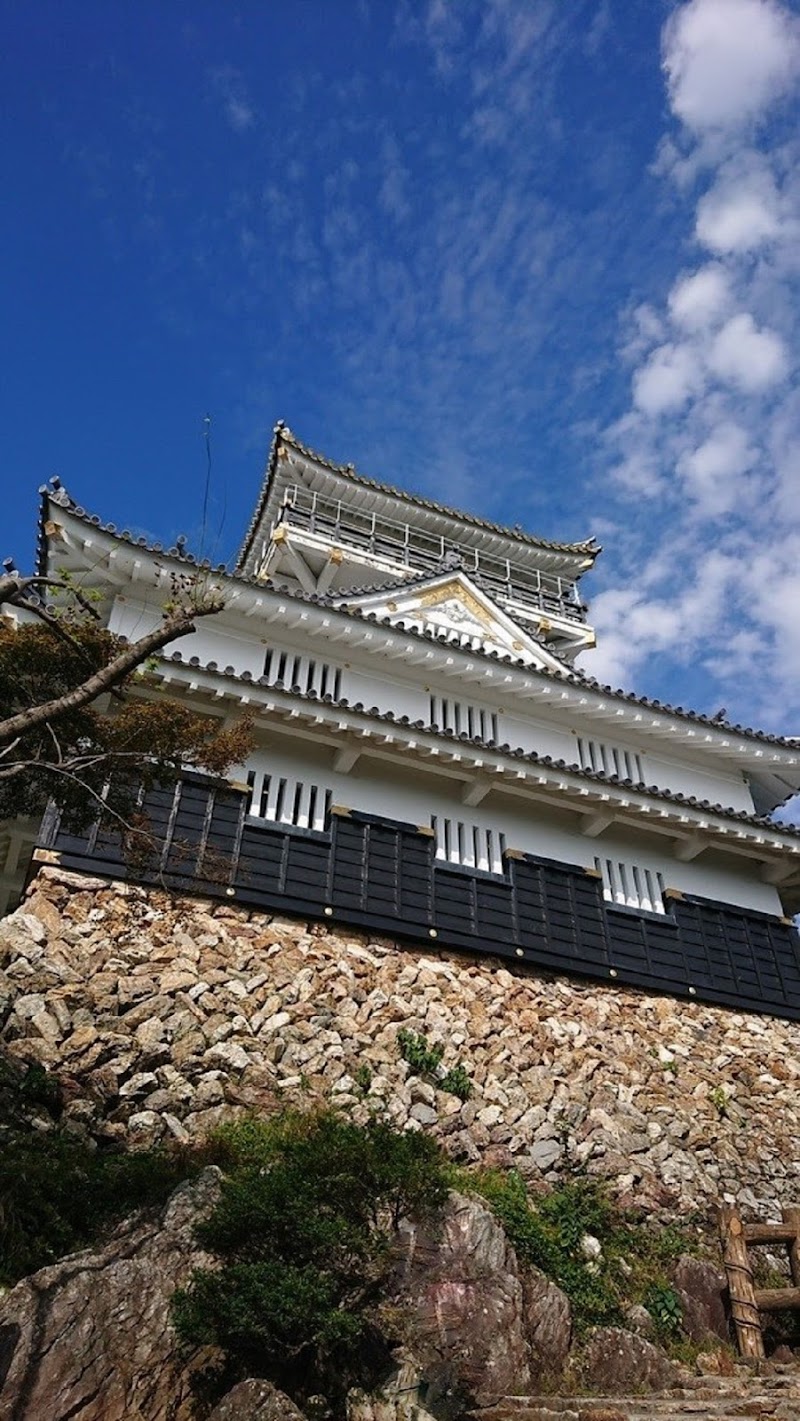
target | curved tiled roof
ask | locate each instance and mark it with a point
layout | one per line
(570, 673)
(283, 435)
(532, 757)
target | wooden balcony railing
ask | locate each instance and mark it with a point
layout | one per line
(404, 544)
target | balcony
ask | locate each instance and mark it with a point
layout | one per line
(403, 547)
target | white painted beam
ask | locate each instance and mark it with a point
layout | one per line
(591, 825)
(329, 570)
(345, 759)
(299, 566)
(475, 792)
(691, 848)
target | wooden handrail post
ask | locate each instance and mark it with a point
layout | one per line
(791, 1216)
(746, 1317)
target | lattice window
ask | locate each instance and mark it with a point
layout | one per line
(630, 886)
(468, 845)
(610, 760)
(463, 719)
(304, 672)
(283, 800)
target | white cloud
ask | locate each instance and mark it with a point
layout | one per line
(713, 427)
(713, 472)
(646, 328)
(636, 622)
(241, 115)
(236, 104)
(668, 379)
(741, 212)
(750, 358)
(696, 301)
(728, 61)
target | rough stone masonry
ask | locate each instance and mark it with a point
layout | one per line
(161, 1014)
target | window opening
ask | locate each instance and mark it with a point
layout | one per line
(631, 886)
(610, 760)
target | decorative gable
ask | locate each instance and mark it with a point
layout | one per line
(455, 607)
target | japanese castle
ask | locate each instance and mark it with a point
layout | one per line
(430, 762)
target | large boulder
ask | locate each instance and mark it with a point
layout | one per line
(548, 1323)
(479, 1329)
(616, 1362)
(256, 1400)
(399, 1399)
(90, 1336)
(701, 1288)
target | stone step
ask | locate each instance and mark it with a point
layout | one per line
(737, 1404)
(625, 1409)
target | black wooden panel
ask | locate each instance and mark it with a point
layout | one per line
(415, 881)
(307, 870)
(348, 881)
(646, 951)
(750, 955)
(559, 908)
(455, 902)
(383, 876)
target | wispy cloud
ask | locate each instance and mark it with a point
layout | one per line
(231, 91)
(448, 313)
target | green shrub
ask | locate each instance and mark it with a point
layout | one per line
(664, 1306)
(546, 1234)
(635, 1260)
(302, 1231)
(423, 1059)
(457, 1082)
(426, 1061)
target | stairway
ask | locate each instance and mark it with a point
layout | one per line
(743, 1396)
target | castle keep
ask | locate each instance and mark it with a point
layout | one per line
(430, 763)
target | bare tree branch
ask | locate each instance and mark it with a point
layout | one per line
(65, 773)
(14, 588)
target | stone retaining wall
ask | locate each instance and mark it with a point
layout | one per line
(162, 1013)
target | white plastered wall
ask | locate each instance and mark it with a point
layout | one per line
(373, 682)
(212, 641)
(386, 789)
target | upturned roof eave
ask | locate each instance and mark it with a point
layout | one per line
(570, 677)
(585, 549)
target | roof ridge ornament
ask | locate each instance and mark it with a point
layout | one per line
(452, 561)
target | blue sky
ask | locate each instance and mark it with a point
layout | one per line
(532, 258)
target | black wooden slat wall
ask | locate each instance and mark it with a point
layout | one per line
(383, 875)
